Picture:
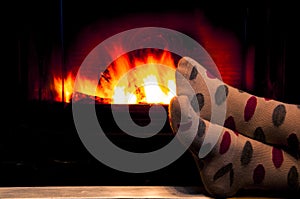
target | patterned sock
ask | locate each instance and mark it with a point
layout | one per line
(236, 162)
(266, 120)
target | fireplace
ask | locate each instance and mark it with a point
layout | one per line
(40, 145)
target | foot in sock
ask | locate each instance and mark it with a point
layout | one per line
(236, 161)
(263, 119)
(251, 122)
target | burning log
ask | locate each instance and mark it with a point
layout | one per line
(82, 98)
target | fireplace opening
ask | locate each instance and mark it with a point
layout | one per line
(145, 76)
(40, 145)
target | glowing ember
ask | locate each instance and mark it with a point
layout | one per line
(131, 79)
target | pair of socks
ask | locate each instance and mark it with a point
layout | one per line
(255, 146)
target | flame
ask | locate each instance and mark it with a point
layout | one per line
(130, 79)
(140, 79)
(151, 90)
(65, 87)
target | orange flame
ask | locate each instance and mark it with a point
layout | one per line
(140, 79)
(136, 79)
(152, 89)
(66, 86)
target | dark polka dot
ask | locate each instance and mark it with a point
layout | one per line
(210, 75)
(241, 91)
(231, 175)
(197, 102)
(293, 144)
(259, 135)
(250, 108)
(222, 171)
(175, 112)
(225, 143)
(292, 178)
(194, 73)
(221, 94)
(258, 174)
(201, 128)
(229, 123)
(278, 115)
(246, 154)
(277, 157)
(298, 106)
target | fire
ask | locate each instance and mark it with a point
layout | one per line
(148, 78)
(137, 78)
(64, 87)
(151, 91)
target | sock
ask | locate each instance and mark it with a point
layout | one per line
(236, 162)
(266, 120)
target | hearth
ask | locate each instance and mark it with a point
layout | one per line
(40, 145)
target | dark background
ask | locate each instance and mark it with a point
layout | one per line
(271, 28)
(38, 144)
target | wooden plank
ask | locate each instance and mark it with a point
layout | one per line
(78, 192)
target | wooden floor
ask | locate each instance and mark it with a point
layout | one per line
(90, 192)
(101, 192)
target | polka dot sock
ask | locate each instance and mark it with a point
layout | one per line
(236, 162)
(266, 120)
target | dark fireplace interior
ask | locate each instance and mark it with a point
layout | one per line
(254, 47)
